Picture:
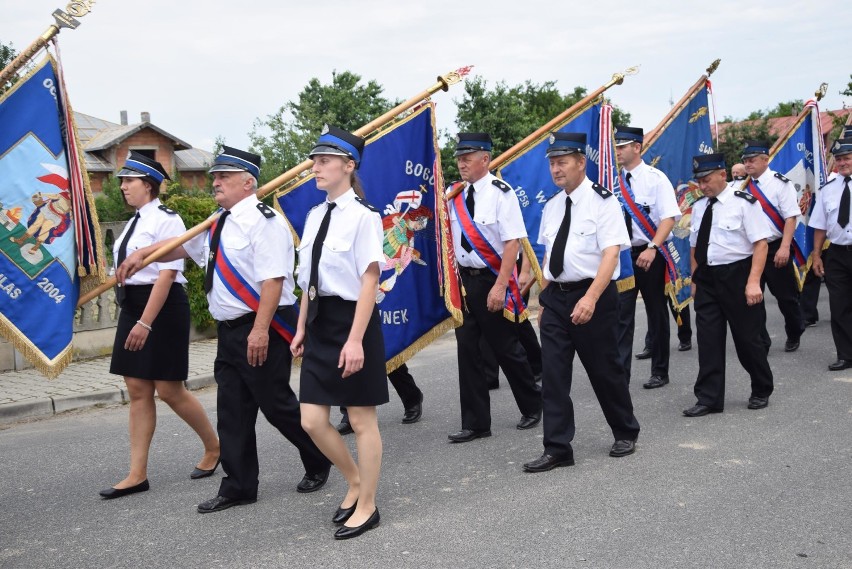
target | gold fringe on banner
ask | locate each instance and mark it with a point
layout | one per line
(49, 368)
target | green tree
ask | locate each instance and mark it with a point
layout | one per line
(509, 113)
(284, 138)
(110, 204)
(737, 133)
(7, 55)
(848, 90)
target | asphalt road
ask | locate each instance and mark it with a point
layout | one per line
(769, 488)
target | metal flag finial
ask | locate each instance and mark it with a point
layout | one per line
(618, 78)
(453, 77)
(821, 91)
(713, 67)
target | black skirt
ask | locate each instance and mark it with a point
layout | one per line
(165, 355)
(321, 380)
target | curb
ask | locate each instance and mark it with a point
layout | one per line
(45, 407)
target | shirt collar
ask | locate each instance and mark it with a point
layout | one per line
(726, 194)
(244, 204)
(148, 207)
(765, 177)
(581, 192)
(481, 183)
(636, 169)
(345, 198)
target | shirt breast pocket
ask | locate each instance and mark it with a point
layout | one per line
(730, 231)
(237, 244)
(335, 253)
(584, 235)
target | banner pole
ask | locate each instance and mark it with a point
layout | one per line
(443, 83)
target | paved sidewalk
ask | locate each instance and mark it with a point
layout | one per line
(85, 384)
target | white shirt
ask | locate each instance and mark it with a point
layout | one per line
(154, 225)
(738, 223)
(782, 195)
(826, 209)
(653, 190)
(354, 241)
(496, 213)
(259, 248)
(596, 223)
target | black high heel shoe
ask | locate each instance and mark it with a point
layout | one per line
(111, 493)
(201, 473)
(343, 514)
(347, 532)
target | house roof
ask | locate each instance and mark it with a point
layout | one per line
(97, 135)
(780, 125)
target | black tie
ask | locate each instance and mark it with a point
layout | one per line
(214, 251)
(470, 207)
(843, 214)
(316, 251)
(120, 292)
(557, 255)
(703, 240)
(628, 220)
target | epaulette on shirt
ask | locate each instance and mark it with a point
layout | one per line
(501, 185)
(781, 177)
(367, 204)
(746, 196)
(267, 211)
(601, 191)
(167, 210)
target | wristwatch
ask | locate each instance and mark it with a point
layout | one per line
(652, 245)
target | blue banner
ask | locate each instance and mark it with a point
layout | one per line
(401, 176)
(529, 174)
(687, 134)
(801, 158)
(38, 270)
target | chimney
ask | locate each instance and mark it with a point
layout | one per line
(146, 116)
(124, 117)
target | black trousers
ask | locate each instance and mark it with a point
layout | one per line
(503, 338)
(403, 382)
(782, 284)
(530, 344)
(809, 298)
(838, 281)
(594, 342)
(719, 302)
(684, 329)
(651, 284)
(243, 390)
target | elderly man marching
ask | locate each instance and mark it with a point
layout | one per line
(728, 238)
(487, 228)
(831, 219)
(582, 229)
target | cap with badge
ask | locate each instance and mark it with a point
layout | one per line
(705, 164)
(233, 160)
(140, 166)
(843, 145)
(467, 142)
(564, 143)
(335, 141)
(628, 134)
(756, 148)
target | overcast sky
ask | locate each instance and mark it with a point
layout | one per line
(204, 69)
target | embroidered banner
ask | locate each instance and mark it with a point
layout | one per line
(42, 189)
(418, 297)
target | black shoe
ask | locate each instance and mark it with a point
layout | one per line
(347, 532)
(839, 365)
(699, 410)
(644, 354)
(758, 402)
(810, 323)
(493, 386)
(201, 473)
(466, 435)
(343, 514)
(684, 346)
(220, 503)
(413, 413)
(548, 462)
(111, 493)
(622, 448)
(655, 381)
(791, 345)
(529, 421)
(313, 482)
(344, 428)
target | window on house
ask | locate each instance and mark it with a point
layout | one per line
(146, 152)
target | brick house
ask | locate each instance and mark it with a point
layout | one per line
(106, 144)
(779, 125)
